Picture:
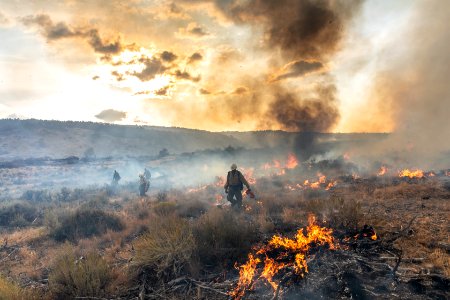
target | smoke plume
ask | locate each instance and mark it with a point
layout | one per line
(304, 34)
(413, 85)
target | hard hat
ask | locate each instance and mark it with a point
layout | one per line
(233, 167)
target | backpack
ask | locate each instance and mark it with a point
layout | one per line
(241, 184)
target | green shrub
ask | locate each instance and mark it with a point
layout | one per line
(74, 276)
(84, 223)
(166, 247)
(223, 237)
(17, 215)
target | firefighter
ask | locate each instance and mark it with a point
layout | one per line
(116, 178)
(144, 184)
(234, 185)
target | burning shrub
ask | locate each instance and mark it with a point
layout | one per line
(281, 255)
(74, 276)
(83, 223)
(17, 215)
(166, 248)
(223, 237)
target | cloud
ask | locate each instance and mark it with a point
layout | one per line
(111, 115)
(299, 68)
(50, 30)
(162, 91)
(240, 90)
(119, 77)
(101, 46)
(55, 31)
(185, 75)
(193, 30)
(168, 56)
(153, 67)
(194, 58)
(203, 91)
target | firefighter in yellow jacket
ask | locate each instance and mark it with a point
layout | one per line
(234, 185)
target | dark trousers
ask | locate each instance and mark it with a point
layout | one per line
(235, 192)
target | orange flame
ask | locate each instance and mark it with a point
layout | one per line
(411, 173)
(374, 237)
(330, 185)
(297, 247)
(248, 174)
(246, 273)
(382, 171)
(292, 161)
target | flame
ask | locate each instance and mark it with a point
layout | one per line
(374, 237)
(411, 173)
(315, 185)
(218, 198)
(292, 161)
(382, 171)
(271, 268)
(246, 273)
(330, 185)
(200, 188)
(291, 252)
(248, 174)
(277, 166)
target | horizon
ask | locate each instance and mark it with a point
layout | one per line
(193, 129)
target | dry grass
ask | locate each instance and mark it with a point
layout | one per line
(337, 212)
(9, 290)
(223, 237)
(441, 260)
(79, 276)
(167, 247)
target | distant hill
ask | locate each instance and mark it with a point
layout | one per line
(58, 139)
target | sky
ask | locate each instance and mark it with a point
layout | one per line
(228, 65)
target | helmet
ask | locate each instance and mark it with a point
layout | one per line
(233, 167)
